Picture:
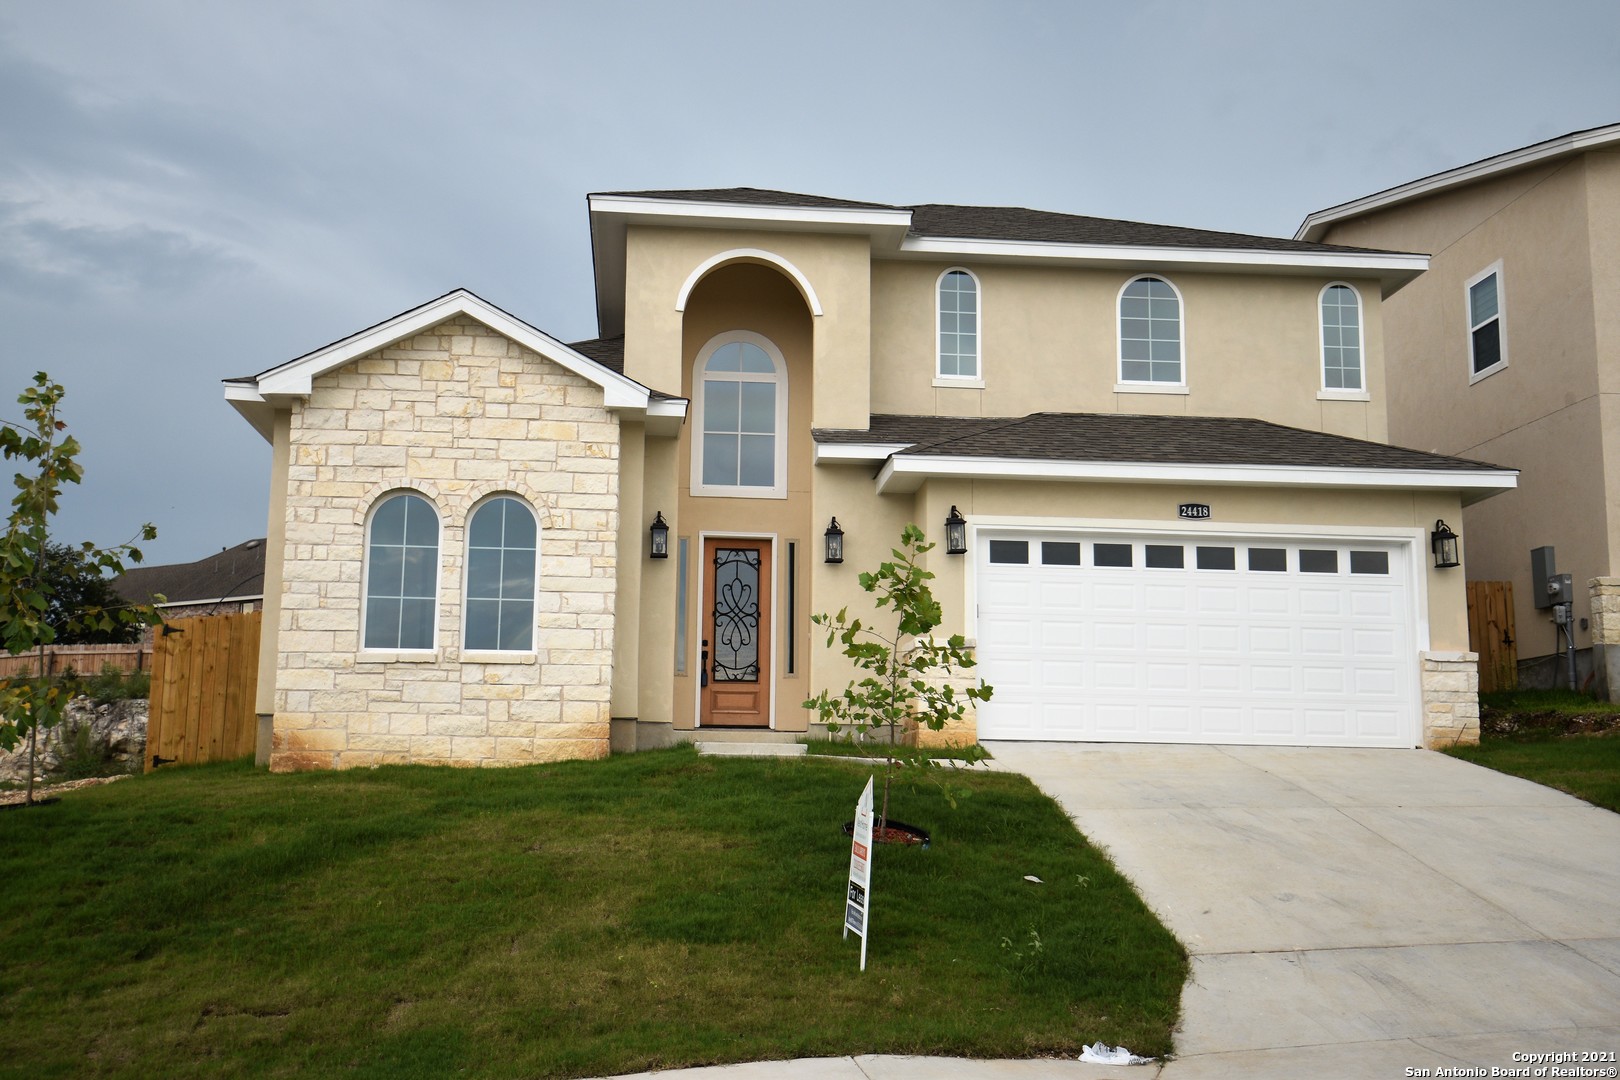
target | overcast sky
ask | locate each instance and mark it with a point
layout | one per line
(193, 191)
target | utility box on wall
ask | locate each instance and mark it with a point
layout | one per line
(1543, 568)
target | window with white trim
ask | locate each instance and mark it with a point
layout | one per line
(1341, 338)
(1150, 333)
(402, 574)
(1487, 337)
(740, 443)
(502, 542)
(958, 341)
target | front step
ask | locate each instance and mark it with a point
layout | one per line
(742, 735)
(737, 748)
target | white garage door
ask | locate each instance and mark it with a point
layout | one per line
(1167, 639)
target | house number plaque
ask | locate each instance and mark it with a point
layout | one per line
(1193, 510)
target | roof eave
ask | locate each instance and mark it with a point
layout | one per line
(903, 473)
(1316, 225)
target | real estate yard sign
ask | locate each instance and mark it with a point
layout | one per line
(857, 907)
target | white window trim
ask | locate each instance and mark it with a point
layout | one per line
(1335, 393)
(499, 656)
(970, 382)
(780, 378)
(401, 655)
(1123, 385)
(1501, 321)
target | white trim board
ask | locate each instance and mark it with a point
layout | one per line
(906, 473)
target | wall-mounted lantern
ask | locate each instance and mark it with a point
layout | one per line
(835, 542)
(1444, 543)
(660, 537)
(955, 533)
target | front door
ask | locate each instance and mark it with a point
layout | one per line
(736, 634)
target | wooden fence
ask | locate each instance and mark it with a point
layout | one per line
(1491, 633)
(81, 659)
(204, 677)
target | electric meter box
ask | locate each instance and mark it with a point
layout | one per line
(1560, 589)
(1542, 570)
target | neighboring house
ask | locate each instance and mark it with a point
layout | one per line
(1508, 350)
(222, 584)
(1180, 520)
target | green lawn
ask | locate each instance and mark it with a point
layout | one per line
(1559, 738)
(650, 911)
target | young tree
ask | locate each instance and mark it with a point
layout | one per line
(27, 588)
(79, 592)
(905, 665)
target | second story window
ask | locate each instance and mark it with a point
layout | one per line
(958, 326)
(740, 444)
(1150, 333)
(1341, 338)
(1487, 339)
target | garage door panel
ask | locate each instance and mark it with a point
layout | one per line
(1213, 651)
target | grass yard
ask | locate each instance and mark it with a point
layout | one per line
(588, 918)
(877, 748)
(1558, 738)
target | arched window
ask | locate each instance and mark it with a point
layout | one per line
(502, 541)
(958, 326)
(740, 448)
(402, 573)
(1150, 333)
(1341, 338)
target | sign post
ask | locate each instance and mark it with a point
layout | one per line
(857, 906)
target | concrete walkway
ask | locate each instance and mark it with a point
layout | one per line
(1350, 913)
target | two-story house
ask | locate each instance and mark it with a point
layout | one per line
(1154, 461)
(1508, 350)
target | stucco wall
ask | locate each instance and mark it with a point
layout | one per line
(1050, 342)
(456, 414)
(1552, 226)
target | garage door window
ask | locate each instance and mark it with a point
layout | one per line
(1315, 561)
(1269, 560)
(1009, 551)
(1369, 562)
(1164, 556)
(1111, 554)
(1217, 558)
(1060, 553)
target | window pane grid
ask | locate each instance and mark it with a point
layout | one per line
(402, 574)
(958, 325)
(1341, 339)
(501, 553)
(1150, 332)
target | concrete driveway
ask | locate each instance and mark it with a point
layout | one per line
(1357, 913)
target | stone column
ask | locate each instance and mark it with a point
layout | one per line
(1605, 593)
(1450, 684)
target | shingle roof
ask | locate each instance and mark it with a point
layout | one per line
(609, 352)
(747, 196)
(1015, 223)
(1116, 437)
(236, 571)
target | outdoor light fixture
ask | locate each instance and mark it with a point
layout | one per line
(660, 537)
(955, 533)
(1444, 542)
(835, 542)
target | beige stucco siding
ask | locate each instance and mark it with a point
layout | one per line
(1541, 413)
(456, 414)
(1050, 342)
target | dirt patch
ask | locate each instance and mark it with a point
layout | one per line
(1502, 722)
(50, 791)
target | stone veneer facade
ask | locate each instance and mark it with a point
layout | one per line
(1450, 683)
(1605, 594)
(456, 414)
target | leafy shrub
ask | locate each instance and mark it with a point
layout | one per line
(114, 685)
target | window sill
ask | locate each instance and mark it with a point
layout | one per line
(1150, 388)
(1487, 373)
(383, 656)
(491, 656)
(948, 383)
(1343, 395)
(701, 492)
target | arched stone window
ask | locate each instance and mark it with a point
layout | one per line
(503, 541)
(402, 574)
